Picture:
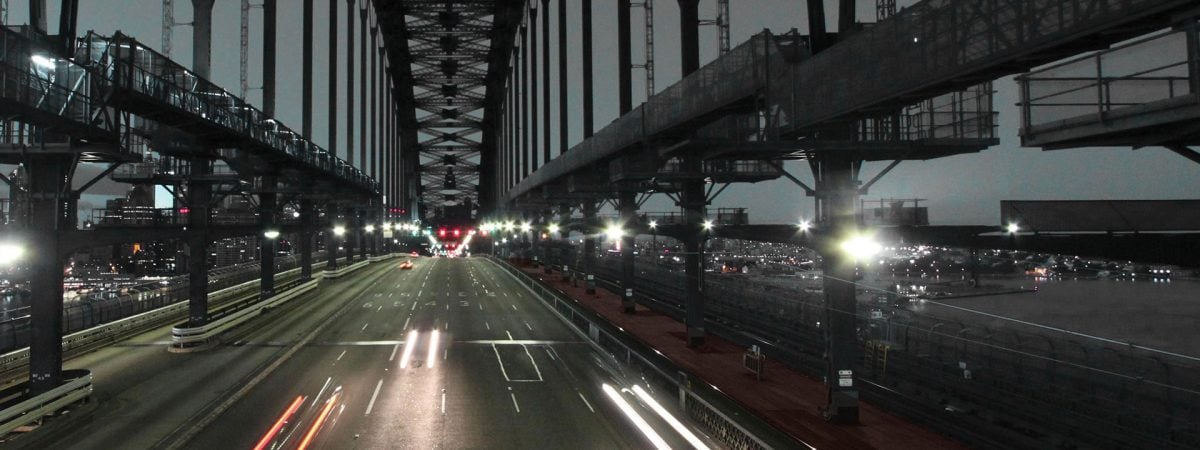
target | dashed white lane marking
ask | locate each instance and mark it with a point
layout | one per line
(405, 327)
(380, 308)
(527, 326)
(489, 327)
(394, 349)
(443, 401)
(339, 358)
(414, 308)
(364, 328)
(509, 335)
(514, 307)
(371, 404)
(585, 402)
(514, 398)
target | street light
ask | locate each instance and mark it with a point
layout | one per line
(339, 230)
(708, 224)
(525, 227)
(553, 228)
(10, 253)
(271, 234)
(614, 232)
(1013, 228)
(861, 247)
(43, 62)
(369, 228)
(804, 226)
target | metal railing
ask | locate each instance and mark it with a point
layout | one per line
(1074, 388)
(1153, 70)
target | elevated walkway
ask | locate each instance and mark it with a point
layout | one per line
(914, 86)
(91, 96)
(1105, 99)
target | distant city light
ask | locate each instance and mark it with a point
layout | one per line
(525, 227)
(1013, 228)
(804, 225)
(369, 228)
(339, 230)
(553, 228)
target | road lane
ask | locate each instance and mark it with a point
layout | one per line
(504, 372)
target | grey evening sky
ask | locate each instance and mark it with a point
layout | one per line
(963, 189)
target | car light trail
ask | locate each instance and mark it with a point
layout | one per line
(312, 431)
(287, 414)
(433, 343)
(637, 420)
(408, 348)
(671, 420)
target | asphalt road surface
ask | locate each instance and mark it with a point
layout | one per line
(451, 354)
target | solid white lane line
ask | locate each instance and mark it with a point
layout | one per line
(589, 405)
(535, 366)
(502, 371)
(339, 358)
(394, 349)
(371, 404)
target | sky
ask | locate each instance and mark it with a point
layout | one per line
(959, 190)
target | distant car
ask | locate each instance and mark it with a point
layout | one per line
(414, 254)
(406, 265)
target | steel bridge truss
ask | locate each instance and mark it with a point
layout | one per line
(450, 43)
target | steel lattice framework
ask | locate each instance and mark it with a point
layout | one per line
(448, 50)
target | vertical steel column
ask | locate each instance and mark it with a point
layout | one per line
(351, 237)
(692, 198)
(589, 245)
(201, 37)
(268, 58)
(523, 105)
(349, 81)
(837, 192)
(307, 219)
(1193, 54)
(333, 76)
(306, 75)
(562, 77)
(266, 244)
(331, 237)
(846, 18)
(374, 97)
(693, 201)
(689, 35)
(628, 206)
(588, 102)
(68, 20)
(546, 83)
(624, 57)
(48, 179)
(362, 89)
(199, 193)
(533, 91)
(816, 25)
(37, 15)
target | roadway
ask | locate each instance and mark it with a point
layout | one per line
(352, 364)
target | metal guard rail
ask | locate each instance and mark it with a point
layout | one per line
(32, 409)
